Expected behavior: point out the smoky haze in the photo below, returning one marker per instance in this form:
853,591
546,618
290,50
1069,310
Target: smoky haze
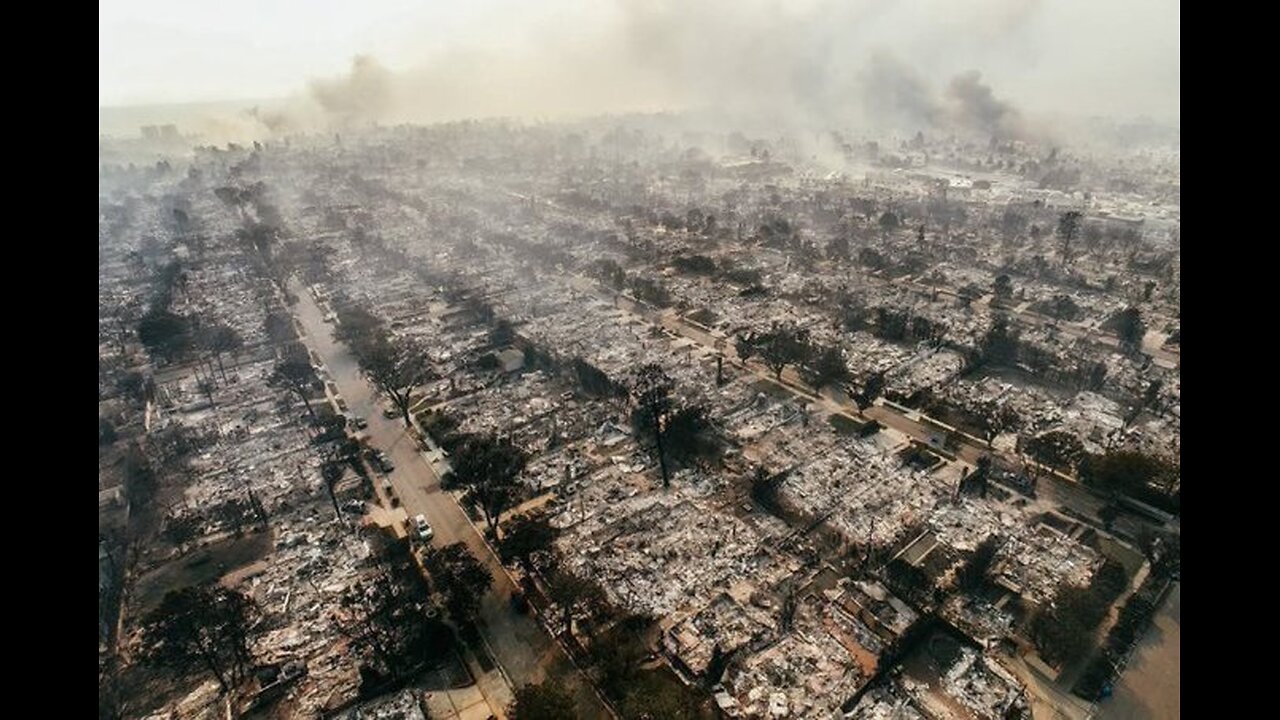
988,67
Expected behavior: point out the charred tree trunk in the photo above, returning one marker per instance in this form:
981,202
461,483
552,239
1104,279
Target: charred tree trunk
662,455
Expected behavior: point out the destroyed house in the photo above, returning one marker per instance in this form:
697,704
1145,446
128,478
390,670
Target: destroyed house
881,611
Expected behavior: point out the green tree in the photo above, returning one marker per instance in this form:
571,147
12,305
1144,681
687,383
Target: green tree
111,694
689,435
572,592
206,625
1058,449
489,469
1000,344
547,700
165,334
1129,472
357,326
619,652
384,615
872,388
782,347
396,368
651,697
1068,230
826,366
527,535
1063,631
460,578
1003,287
970,576
294,373
1129,328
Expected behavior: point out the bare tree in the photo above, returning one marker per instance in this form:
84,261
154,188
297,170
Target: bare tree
221,339
651,393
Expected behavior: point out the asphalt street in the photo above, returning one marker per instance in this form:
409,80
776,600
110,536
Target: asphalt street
520,645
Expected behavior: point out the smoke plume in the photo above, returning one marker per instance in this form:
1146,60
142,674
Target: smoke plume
982,68
363,95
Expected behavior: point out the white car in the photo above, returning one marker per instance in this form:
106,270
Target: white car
425,533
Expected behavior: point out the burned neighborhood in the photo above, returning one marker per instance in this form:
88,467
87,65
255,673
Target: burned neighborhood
652,414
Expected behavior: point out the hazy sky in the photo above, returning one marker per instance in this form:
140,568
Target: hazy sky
187,50
1088,56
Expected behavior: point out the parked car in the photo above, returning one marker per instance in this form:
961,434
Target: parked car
423,528
357,422
379,460
390,492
